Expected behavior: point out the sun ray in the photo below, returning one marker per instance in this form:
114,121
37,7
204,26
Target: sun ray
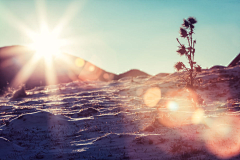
14,21
26,71
50,73
41,12
47,43
73,8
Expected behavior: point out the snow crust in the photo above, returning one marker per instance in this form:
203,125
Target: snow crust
125,119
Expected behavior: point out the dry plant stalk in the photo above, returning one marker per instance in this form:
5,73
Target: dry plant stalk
186,31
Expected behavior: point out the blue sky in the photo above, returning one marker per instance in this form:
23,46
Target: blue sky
136,34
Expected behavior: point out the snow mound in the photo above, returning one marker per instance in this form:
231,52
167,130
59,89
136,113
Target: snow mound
7,147
21,93
85,113
38,120
5,108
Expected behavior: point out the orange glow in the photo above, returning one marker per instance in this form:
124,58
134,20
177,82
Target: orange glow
152,97
222,139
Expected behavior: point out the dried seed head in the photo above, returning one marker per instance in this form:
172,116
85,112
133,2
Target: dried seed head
191,26
192,20
185,23
183,32
179,66
198,68
182,50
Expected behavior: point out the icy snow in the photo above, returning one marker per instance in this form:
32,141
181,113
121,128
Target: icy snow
117,120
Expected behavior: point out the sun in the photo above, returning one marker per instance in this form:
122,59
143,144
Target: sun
46,44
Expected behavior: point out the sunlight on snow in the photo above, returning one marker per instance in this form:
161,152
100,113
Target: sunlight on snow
152,96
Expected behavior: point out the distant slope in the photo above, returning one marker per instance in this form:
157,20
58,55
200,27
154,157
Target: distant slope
217,67
18,65
131,73
86,70
159,76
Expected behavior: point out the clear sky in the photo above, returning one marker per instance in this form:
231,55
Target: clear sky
119,35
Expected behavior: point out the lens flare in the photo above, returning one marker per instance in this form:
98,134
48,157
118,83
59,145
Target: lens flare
108,76
79,62
173,106
152,96
197,117
139,91
90,72
179,112
222,139
91,68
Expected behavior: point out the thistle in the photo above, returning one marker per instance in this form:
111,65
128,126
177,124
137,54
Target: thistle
186,32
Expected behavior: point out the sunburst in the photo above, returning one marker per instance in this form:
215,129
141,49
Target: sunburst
46,44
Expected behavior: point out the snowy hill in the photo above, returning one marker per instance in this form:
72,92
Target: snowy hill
31,70
131,73
67,68
144,118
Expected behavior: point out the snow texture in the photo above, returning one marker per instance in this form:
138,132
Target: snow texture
133,118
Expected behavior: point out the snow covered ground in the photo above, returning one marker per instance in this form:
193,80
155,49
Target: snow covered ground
140,118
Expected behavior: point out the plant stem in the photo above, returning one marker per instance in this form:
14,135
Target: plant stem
191,60
179,42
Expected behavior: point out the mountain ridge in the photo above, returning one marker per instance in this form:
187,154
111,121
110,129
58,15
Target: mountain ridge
131,73
16,63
